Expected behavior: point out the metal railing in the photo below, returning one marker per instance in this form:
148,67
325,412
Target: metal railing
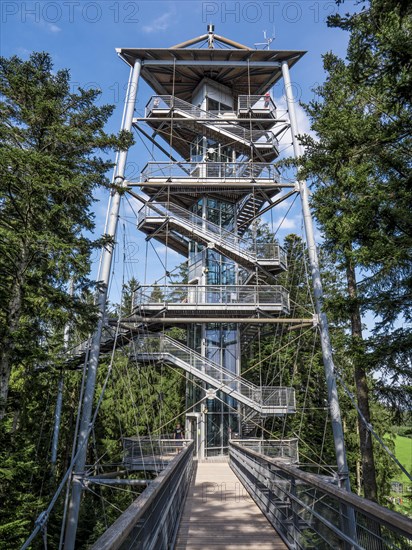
281,449
168,102
265,138
310,511
256,103
215,234
152,520
266,296
266,399
232,171
151,453
201,170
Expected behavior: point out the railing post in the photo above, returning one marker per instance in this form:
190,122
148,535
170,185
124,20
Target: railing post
295,518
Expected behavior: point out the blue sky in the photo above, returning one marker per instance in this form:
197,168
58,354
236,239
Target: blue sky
82,36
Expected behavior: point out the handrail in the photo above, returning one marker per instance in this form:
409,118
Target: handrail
256,102
214,231
278,449
219,123
263,296
204,360
264,396
207,169
155,513
284,500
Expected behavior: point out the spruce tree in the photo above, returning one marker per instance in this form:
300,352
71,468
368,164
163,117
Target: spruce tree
362,194
52,141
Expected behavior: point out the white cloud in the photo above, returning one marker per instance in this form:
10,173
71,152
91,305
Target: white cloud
302,120
53,28
161,23
287,223
285,205
23,51
45,25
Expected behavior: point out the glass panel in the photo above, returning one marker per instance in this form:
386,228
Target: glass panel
221,213
214,430
196,149
221,270
217,106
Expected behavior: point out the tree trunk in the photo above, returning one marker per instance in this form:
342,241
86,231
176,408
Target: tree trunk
8,343
362,391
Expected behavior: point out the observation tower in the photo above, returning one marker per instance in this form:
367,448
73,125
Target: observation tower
212,119
212,115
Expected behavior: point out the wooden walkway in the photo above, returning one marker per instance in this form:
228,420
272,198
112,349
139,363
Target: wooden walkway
220,514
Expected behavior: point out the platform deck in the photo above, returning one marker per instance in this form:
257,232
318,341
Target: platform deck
219,513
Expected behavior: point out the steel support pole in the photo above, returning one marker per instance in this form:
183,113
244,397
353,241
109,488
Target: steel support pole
57,418
103,279
318,294
59,399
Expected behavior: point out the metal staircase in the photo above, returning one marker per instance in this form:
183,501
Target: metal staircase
265,400
160,221
224,127
247,210
201,206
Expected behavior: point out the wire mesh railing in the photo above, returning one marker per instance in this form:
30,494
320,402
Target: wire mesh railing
161,103
152,520
196,171
281,449
311,511
256,103
274,297
144,452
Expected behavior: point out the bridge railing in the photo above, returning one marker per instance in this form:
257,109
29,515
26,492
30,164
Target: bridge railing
151,453
308,510
281,449
152,520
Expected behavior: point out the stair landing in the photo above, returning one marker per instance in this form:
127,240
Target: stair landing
219,513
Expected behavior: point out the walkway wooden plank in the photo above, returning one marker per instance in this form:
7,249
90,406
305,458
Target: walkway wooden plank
219,513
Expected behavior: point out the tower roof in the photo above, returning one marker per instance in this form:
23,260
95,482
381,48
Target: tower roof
179,69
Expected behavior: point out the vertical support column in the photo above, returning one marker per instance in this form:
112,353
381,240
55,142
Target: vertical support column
59,399
103,278
347,513
318,293
202,431
57,417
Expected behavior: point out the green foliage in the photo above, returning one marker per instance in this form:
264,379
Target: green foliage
403,450
281,357
50,165
52,158
362,195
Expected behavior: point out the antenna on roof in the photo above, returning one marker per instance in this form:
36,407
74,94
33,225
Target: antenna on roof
268,40
211,35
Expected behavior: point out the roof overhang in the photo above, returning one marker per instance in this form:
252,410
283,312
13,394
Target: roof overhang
178,71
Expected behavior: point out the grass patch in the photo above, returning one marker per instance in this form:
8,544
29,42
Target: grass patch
402,502
403,452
